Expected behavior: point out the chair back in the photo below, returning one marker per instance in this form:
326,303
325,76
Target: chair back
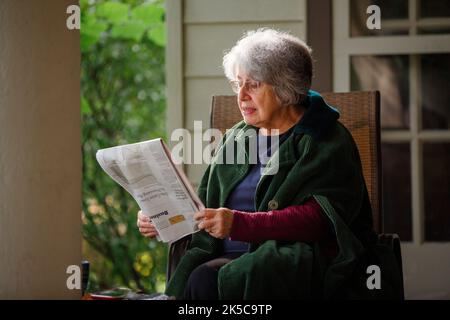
360,114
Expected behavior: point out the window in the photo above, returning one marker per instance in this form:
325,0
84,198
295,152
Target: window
408,61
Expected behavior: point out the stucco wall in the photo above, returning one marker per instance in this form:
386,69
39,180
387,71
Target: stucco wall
40,154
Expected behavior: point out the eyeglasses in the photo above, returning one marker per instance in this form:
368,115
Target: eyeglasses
251,86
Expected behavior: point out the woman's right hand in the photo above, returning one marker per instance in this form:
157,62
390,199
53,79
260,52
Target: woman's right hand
146,227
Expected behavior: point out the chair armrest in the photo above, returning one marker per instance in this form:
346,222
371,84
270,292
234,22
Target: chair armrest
392,240
177,250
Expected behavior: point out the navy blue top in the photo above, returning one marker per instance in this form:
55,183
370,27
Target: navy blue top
242,198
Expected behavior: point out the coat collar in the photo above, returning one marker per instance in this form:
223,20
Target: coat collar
319,117
317,120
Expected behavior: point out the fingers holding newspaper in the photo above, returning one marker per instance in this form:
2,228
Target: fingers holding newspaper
146,227
217,222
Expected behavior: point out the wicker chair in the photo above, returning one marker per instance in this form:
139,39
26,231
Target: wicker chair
360,113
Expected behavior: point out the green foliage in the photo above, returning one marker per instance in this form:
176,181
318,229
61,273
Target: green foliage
122,101
114,12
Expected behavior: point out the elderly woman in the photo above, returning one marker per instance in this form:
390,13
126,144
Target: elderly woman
295,232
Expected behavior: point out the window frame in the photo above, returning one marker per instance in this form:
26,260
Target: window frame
412,45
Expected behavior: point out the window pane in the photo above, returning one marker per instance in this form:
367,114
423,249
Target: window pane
389,75
434,30
397,189
436,178
390,9
434,8
435,91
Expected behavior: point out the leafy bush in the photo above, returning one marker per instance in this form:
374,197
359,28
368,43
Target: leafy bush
123,101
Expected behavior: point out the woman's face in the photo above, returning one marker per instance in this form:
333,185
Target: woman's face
259,105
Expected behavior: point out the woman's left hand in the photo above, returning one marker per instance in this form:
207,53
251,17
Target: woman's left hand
217,222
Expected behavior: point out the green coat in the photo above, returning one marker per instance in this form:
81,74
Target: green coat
319,159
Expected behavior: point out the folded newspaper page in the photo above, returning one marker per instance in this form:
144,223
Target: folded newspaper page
162,191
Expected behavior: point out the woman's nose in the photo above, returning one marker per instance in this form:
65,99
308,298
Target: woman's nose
243,94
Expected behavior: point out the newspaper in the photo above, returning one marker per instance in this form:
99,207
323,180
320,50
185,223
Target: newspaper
162,191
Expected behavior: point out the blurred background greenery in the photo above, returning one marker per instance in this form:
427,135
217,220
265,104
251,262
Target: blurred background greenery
122,101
